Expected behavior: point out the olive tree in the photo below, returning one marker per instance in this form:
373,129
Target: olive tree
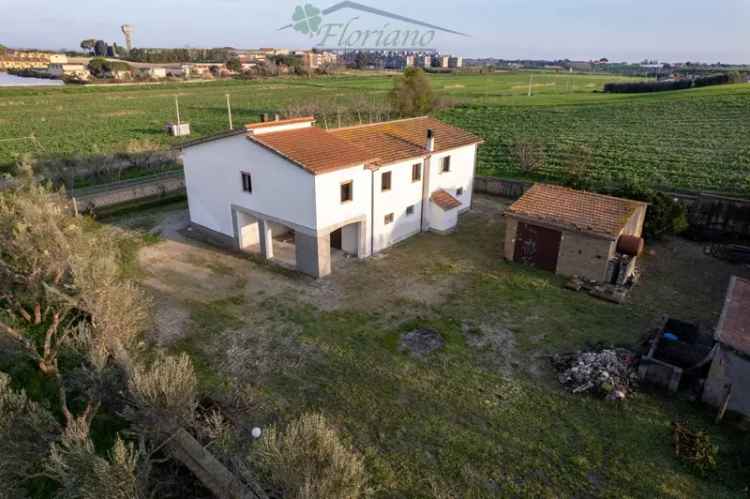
60,286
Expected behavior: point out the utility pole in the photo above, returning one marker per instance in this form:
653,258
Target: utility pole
177,107
229,112
531,80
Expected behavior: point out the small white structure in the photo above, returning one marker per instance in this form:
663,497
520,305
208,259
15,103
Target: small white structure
61,70
299,194
152,72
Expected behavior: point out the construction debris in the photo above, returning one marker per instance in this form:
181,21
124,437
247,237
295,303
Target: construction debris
608,373
695,448
614,293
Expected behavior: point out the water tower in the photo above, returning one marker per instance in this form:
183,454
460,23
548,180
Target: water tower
127,30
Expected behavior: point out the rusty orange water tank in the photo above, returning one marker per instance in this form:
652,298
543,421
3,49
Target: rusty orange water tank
630,245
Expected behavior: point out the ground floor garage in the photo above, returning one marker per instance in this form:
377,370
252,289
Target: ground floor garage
299,248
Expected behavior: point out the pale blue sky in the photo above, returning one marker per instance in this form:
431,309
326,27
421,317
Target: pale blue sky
668,30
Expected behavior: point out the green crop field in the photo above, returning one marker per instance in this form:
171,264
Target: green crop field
690,139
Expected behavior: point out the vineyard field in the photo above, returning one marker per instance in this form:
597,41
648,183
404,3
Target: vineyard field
695,139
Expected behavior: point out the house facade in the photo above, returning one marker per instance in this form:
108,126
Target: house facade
296,193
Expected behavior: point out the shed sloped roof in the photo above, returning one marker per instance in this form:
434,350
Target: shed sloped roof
399,140
734,326
445,200
314,149
575,210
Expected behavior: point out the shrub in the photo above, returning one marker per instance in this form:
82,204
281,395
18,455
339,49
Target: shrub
308,460
82,474
26,431
164,395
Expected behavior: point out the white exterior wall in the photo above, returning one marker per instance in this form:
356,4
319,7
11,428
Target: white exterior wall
461,174
443,221
403,193
281,128
213,182
285,191
330,211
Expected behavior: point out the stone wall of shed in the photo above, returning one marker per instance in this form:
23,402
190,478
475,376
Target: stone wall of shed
511,225
584,256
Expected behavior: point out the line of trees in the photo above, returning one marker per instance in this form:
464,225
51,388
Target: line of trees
156,55
681,84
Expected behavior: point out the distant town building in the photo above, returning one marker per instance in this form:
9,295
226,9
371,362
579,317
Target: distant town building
424,61
455,62
312,60
27,59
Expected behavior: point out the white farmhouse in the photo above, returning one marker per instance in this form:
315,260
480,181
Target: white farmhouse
301,195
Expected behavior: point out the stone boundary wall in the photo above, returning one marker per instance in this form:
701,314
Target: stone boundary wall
109,195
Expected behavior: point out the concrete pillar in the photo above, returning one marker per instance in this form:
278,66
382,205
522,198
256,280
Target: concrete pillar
363,248
266,239
313,254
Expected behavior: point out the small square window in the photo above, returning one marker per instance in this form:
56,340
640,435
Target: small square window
410,210
347,191
446,166
460,191
385,182
247,182
388,219
416,172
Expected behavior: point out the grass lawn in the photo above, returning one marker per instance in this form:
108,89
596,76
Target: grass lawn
691,139
482,417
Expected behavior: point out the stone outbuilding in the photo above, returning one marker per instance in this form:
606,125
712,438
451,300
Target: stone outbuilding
579,233
728,384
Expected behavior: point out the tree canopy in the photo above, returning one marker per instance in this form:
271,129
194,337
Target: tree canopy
412,93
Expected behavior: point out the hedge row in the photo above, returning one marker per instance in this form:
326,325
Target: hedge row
661,86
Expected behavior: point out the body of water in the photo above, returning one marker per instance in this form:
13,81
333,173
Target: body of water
8,80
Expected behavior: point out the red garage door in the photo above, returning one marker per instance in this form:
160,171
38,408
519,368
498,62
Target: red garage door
537,246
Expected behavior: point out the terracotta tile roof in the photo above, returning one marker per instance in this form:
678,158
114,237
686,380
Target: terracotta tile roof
400,140
289,121
734,326
445,200
314,149
575,210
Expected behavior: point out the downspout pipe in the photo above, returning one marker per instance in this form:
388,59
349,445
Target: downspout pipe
430,147
372,212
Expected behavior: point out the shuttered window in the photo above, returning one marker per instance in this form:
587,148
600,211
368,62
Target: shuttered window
385,182
247,182
347,191
416,172
446,164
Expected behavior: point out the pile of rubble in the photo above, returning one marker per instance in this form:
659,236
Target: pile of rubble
608,373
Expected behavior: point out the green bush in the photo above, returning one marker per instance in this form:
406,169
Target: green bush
664,216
